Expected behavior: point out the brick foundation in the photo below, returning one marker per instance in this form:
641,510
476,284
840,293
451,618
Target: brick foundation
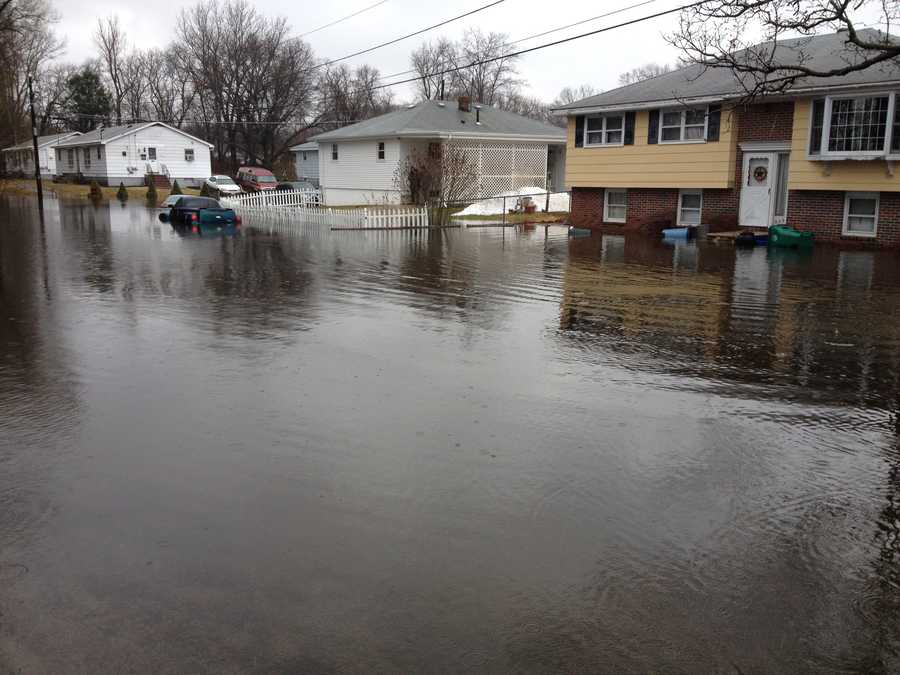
822,212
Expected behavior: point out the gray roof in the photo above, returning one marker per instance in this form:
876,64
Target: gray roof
697,81
311,146
42,141
439,119
107,134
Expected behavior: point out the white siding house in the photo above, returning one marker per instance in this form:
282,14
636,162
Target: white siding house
134,154
359,163
20,158
306,162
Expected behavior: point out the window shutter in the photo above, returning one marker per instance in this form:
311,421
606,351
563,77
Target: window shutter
713,122
818,121
653,127
579,131
629,128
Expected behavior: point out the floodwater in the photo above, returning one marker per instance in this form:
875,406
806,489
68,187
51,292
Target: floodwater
473,450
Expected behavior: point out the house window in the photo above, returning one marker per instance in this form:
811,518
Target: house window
99,150
690,205
380,151
87,157
188,154
614,206
861,214
151,154
334,152
604,130
71,157
683,126
303,156
854,126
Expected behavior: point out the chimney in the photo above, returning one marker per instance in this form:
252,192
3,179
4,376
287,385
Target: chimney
464,103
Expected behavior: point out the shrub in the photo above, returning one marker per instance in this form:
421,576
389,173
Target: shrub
204,190
95,192
122,193
151,193
176,189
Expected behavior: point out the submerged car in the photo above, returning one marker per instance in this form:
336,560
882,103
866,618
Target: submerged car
256,179
199,211
223,185
169,201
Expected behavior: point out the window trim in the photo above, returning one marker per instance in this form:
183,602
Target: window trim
192,157
683,111
690,191
845,231
334,152
380,151
824,154
603,131
606,193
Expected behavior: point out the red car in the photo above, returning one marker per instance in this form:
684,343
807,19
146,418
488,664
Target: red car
255,179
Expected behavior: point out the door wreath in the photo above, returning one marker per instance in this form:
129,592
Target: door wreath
760,173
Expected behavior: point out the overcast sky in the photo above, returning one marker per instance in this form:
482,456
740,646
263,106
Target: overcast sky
596,60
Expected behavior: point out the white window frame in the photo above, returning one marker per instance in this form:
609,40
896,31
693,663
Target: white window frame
192,155
334,152
825,155
690,191
860,195
603,131
606,194
683,112
380,151
155,154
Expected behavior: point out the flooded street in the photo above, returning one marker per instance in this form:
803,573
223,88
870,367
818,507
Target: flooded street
472,450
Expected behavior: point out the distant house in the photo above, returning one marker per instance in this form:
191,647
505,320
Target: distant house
306,162
684,148
358,163
135,154
20,158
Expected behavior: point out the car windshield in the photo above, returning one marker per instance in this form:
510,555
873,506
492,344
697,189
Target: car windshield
265,179
224,180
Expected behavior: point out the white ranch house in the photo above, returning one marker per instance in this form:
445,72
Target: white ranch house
358,163
20,158
135,154
306,162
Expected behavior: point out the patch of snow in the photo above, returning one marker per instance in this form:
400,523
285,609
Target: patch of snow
559,201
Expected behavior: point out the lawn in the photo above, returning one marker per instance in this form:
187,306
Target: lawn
21,186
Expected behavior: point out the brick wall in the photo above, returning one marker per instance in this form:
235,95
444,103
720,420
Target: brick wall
822,212
586,208
766,122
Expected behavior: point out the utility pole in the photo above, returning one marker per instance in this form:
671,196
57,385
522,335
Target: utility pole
34,142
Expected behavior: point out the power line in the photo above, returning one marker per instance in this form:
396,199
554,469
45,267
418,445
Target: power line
548,32
631,22
349,16
405,37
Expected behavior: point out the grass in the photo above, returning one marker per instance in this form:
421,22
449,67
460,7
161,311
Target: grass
21,186
519,218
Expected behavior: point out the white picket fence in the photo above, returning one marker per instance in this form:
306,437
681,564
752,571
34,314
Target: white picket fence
301,208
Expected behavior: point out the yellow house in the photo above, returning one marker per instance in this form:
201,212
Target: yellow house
686,148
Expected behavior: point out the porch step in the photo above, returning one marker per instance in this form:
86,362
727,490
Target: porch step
158,179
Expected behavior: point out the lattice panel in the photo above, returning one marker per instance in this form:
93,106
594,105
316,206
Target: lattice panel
504,167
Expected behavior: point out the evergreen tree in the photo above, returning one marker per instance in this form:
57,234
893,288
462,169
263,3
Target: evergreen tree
151,193
96,193
89,102
122,194
176,189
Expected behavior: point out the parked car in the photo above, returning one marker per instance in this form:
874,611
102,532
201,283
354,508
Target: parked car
199,211
222,185
255,179
170,201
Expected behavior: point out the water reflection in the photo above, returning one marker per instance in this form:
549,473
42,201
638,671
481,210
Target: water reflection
287,449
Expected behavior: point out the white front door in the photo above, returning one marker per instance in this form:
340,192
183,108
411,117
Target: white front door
757,181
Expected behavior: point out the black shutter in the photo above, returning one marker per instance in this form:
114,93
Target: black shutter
713,122
579,131
629,127
653,127
818,122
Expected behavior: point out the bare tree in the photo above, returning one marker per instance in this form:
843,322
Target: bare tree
725,34
135,71
429,61
52,95
350,95
438,178
112,44
485,82
644,72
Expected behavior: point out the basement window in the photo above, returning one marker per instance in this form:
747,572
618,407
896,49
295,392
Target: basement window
615,204
603,130
690,206
861,214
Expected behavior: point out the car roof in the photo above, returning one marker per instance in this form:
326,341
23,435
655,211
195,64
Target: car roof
255,171
220,175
